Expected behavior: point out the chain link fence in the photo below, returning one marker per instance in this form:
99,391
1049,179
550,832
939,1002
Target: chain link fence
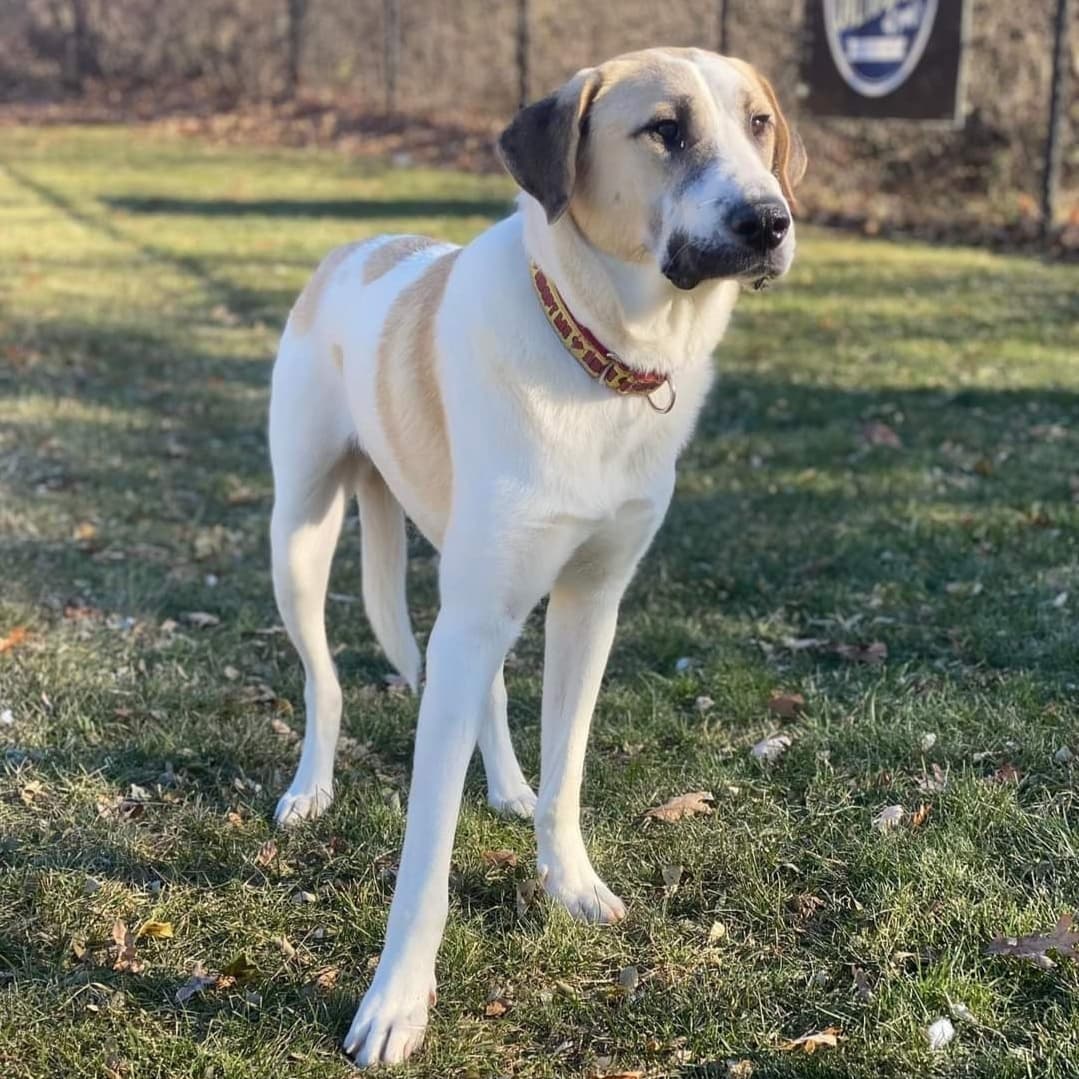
469,60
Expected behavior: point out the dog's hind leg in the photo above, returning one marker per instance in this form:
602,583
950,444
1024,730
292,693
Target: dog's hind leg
507,789
314,470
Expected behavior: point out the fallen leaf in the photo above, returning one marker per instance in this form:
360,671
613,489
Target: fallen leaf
31,791
301,898
939,1033
920,815
889,817
230,672
683,805
929,740
267,853
874,653
672,877
787,705
326,979
500,859
810,1043
13,639
202,619
84,532
933,783
136,793
155,930
876,433
961,1012
527,894
283,730
1063,939
127,961
716,932
197,983
496,1008
703,704
770,749
240,968
1006,773
862,987
628,980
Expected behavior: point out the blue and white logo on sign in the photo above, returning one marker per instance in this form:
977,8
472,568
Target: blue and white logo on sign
876,44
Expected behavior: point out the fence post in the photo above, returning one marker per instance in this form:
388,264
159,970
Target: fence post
722,7
523,24
1051,173
391,49
297,9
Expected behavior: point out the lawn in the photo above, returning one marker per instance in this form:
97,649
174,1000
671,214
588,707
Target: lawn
879,513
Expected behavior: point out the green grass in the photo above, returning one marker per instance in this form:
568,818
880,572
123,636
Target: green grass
142,285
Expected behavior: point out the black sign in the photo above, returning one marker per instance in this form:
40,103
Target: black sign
885,58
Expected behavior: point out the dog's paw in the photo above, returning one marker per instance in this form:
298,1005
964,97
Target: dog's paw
518,803
298,804
577,888
390,1023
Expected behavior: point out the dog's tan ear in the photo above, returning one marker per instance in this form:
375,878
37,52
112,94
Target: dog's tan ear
539,148
789,158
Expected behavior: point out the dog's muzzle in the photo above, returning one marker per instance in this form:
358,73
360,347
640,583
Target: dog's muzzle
748,246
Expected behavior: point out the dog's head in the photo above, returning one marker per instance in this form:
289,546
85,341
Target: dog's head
680,156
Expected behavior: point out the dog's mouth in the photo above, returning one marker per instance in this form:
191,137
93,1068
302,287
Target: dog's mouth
689,264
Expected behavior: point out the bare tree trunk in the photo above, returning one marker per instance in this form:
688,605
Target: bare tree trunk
297,11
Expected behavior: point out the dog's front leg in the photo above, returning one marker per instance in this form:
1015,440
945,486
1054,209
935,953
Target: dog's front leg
463,656
579,631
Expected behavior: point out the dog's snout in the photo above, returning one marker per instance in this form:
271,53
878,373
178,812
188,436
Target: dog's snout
762,225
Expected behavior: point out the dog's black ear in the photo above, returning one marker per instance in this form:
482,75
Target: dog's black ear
540,146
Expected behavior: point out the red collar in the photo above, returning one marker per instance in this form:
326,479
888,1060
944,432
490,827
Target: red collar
600,362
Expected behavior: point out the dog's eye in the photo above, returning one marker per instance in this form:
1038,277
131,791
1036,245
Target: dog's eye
759,124
670,133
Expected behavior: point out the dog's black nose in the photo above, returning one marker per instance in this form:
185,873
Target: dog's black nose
760,224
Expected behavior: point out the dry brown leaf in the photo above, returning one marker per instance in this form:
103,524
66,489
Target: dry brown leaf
935,783
874,653
810,1043
771,749
197,983
528,893
1006,773
326,979
920,815
496,1008
787,705
126,960
683,805
1063,939
876,433
31,791
201,619
155,930
14,638
500,859
267,853
672,877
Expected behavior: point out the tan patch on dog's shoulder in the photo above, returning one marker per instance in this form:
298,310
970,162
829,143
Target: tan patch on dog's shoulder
387,255
408,397
306,307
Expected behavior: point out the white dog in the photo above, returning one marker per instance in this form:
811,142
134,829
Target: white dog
523,400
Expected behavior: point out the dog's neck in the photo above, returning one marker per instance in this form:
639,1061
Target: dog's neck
630,306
